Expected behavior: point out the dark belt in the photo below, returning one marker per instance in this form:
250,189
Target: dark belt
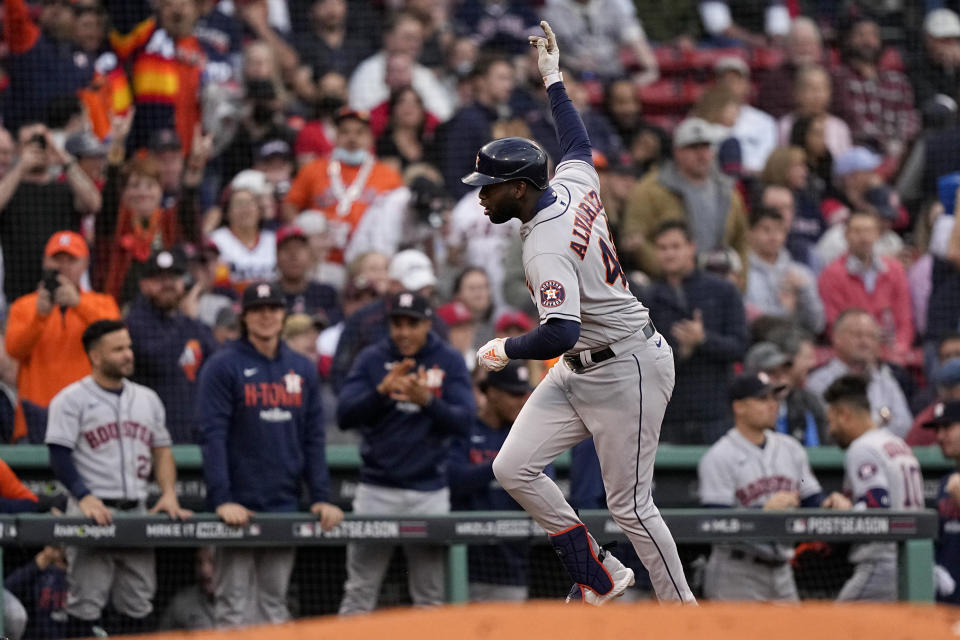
121,505
737,554
600,355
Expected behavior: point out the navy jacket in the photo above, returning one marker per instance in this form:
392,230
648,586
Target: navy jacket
948,543
318,298
468,130
262,429
168,352
474,488
704,378
406,446
44,595
365,326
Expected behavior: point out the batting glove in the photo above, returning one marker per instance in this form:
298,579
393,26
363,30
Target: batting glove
493,356
549,54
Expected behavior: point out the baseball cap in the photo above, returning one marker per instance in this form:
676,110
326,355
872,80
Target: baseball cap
454,313
66,242
166,261
273,148
517,319
412,269
752,385
948,373
409,304
857,159
513,378
765,356
311,222
164,140
346,113
297,324
942,23
693,131
731,63
944,414
261,294
250,180
84,144
880,198
227,318
289,231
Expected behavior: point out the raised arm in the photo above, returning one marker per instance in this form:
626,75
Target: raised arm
572,134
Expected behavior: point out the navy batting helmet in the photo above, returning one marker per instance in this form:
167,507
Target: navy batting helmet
509,159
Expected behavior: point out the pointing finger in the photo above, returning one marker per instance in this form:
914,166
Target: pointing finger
551,37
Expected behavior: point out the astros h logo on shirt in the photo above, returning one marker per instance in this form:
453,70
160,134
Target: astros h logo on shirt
552,294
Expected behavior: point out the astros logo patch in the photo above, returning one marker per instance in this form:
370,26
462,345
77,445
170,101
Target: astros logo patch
552,294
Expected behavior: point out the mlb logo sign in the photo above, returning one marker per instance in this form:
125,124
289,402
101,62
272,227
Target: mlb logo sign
303,530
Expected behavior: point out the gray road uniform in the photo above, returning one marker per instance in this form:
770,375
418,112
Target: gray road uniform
112,436
880,472
737,473
614,385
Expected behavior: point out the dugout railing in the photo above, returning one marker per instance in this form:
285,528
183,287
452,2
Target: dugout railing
674,480
914,531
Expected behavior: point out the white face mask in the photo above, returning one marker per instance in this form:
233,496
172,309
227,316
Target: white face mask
352,158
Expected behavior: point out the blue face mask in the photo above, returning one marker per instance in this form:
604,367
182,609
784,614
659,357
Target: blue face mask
352,158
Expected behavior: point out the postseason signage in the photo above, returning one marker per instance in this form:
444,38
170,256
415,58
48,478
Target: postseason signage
703,526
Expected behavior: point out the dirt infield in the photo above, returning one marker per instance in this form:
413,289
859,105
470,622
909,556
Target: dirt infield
556,621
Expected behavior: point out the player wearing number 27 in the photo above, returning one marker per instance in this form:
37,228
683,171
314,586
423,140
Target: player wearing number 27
880,472
617,371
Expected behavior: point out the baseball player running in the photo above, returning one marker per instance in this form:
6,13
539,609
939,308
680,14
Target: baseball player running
106,435
880,472
753,466
617,373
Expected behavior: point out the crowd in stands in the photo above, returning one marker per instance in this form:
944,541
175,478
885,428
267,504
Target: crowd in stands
781,181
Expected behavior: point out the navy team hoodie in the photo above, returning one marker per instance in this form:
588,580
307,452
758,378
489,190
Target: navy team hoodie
262,429
405,446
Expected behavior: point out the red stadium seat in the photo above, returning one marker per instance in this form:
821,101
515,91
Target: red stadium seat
704,59
766,58
671,61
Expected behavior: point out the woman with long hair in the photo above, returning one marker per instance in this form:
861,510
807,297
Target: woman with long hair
408,136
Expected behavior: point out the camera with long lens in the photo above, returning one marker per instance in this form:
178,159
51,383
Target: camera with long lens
428,201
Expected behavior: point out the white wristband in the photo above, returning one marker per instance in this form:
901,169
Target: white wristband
549,79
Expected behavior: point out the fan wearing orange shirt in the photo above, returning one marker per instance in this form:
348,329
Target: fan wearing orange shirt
343,185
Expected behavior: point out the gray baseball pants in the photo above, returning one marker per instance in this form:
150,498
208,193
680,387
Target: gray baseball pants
871,581
729,578
486,592
620,402
367,563
250,585
95,575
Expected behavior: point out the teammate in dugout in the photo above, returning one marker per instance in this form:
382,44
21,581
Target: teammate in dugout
262,437
106,435
497,571
617,371
946,425
408,394
754,466
880,472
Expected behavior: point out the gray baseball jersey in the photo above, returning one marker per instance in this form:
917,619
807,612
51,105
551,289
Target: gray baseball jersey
572,272
571,264
737,473
111,435
880,471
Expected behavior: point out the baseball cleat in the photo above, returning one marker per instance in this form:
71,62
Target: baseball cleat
621,575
